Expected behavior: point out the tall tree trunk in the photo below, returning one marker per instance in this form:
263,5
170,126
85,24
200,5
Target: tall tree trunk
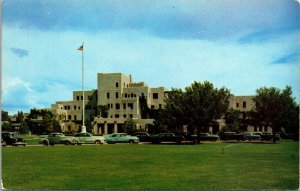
198,134
274,133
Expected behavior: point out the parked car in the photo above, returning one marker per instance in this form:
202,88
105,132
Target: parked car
250,136
58,138
143,136
88,138
167,137
269,136
121,138
12,138
208,137
231,136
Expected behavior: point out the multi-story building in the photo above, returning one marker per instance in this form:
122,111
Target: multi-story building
121,96
69,113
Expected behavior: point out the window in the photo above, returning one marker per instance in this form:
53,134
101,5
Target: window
117,95
117,84
75,118
124,116
74,107
131,94
69,107
125,95
131,116
77,98
237,104
69,117
111,106
117,106
155,95
244,104
130,105
107,95
81,97
108,106
124,105
66,107
152,107
117,116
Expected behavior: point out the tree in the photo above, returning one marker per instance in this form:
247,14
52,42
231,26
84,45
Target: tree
176,109
102,111
145,111
129,126
198,107
233,119
205,104
273,107
24,128
4,116
42,121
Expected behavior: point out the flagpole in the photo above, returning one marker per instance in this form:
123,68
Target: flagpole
83,129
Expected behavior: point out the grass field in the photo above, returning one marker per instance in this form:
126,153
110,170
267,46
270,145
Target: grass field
208,166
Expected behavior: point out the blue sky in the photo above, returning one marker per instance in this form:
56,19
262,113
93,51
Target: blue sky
239,44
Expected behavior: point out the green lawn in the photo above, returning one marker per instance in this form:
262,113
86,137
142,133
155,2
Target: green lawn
208,166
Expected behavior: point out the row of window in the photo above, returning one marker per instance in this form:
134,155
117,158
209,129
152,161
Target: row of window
129,95
118,106
116,116
124,116
67,107
81,97
244,104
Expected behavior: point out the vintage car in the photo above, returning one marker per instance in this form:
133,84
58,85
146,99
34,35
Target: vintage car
58,138
208,137
167,137
143,136
250,136
266,136
121,138
231,136
12,138
88,138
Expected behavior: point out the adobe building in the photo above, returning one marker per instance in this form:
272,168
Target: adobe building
121,95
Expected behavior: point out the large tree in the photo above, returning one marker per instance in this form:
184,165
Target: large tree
205,104
175,113
233,119
273,107
198,106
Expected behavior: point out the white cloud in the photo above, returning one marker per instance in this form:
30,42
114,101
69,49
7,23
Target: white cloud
52,69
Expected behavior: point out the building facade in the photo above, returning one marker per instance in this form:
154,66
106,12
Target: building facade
121,96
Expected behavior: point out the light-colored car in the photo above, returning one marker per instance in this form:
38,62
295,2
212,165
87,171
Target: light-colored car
58,138
88,138
121,138
250,136
209,137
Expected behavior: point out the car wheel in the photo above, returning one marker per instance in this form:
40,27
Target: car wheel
67,142
45,142
97,142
